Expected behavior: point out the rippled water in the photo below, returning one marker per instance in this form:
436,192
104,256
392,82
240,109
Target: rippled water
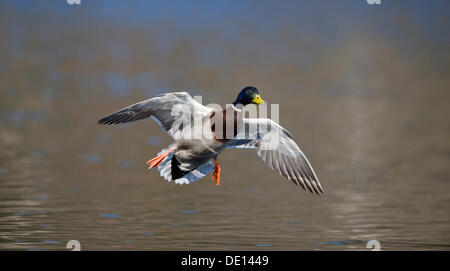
77,183
373,124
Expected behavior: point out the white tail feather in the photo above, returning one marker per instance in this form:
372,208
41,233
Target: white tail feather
165,170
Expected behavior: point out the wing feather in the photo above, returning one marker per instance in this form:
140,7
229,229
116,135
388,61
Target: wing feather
160,108
279,151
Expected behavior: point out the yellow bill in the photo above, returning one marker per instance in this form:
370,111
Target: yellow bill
257,99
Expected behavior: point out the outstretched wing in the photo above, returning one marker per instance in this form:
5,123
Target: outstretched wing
167,109
278,150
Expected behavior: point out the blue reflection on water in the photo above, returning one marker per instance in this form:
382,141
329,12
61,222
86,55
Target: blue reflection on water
29,213
51,242
154,141
41,197
102,138
117,84
145,80
36,153
126,164
92,158
20,116
339,243
110,215
188,211
263,245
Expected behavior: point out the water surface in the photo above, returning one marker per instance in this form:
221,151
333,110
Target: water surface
370,112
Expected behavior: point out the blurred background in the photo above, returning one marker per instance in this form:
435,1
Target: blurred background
363,88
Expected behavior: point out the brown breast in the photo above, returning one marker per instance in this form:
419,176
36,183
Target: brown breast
232,119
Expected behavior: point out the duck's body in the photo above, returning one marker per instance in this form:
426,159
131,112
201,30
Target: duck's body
198,140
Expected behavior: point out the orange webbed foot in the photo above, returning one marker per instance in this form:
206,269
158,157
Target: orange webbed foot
156,161
216,173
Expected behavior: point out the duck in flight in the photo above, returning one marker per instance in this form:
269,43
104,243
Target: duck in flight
191,158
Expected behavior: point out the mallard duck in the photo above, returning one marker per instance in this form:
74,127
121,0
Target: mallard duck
190,159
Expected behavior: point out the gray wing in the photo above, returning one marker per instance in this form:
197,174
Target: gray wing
278,150
170,110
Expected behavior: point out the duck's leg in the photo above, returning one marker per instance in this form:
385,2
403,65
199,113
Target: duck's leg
154,162
216,173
